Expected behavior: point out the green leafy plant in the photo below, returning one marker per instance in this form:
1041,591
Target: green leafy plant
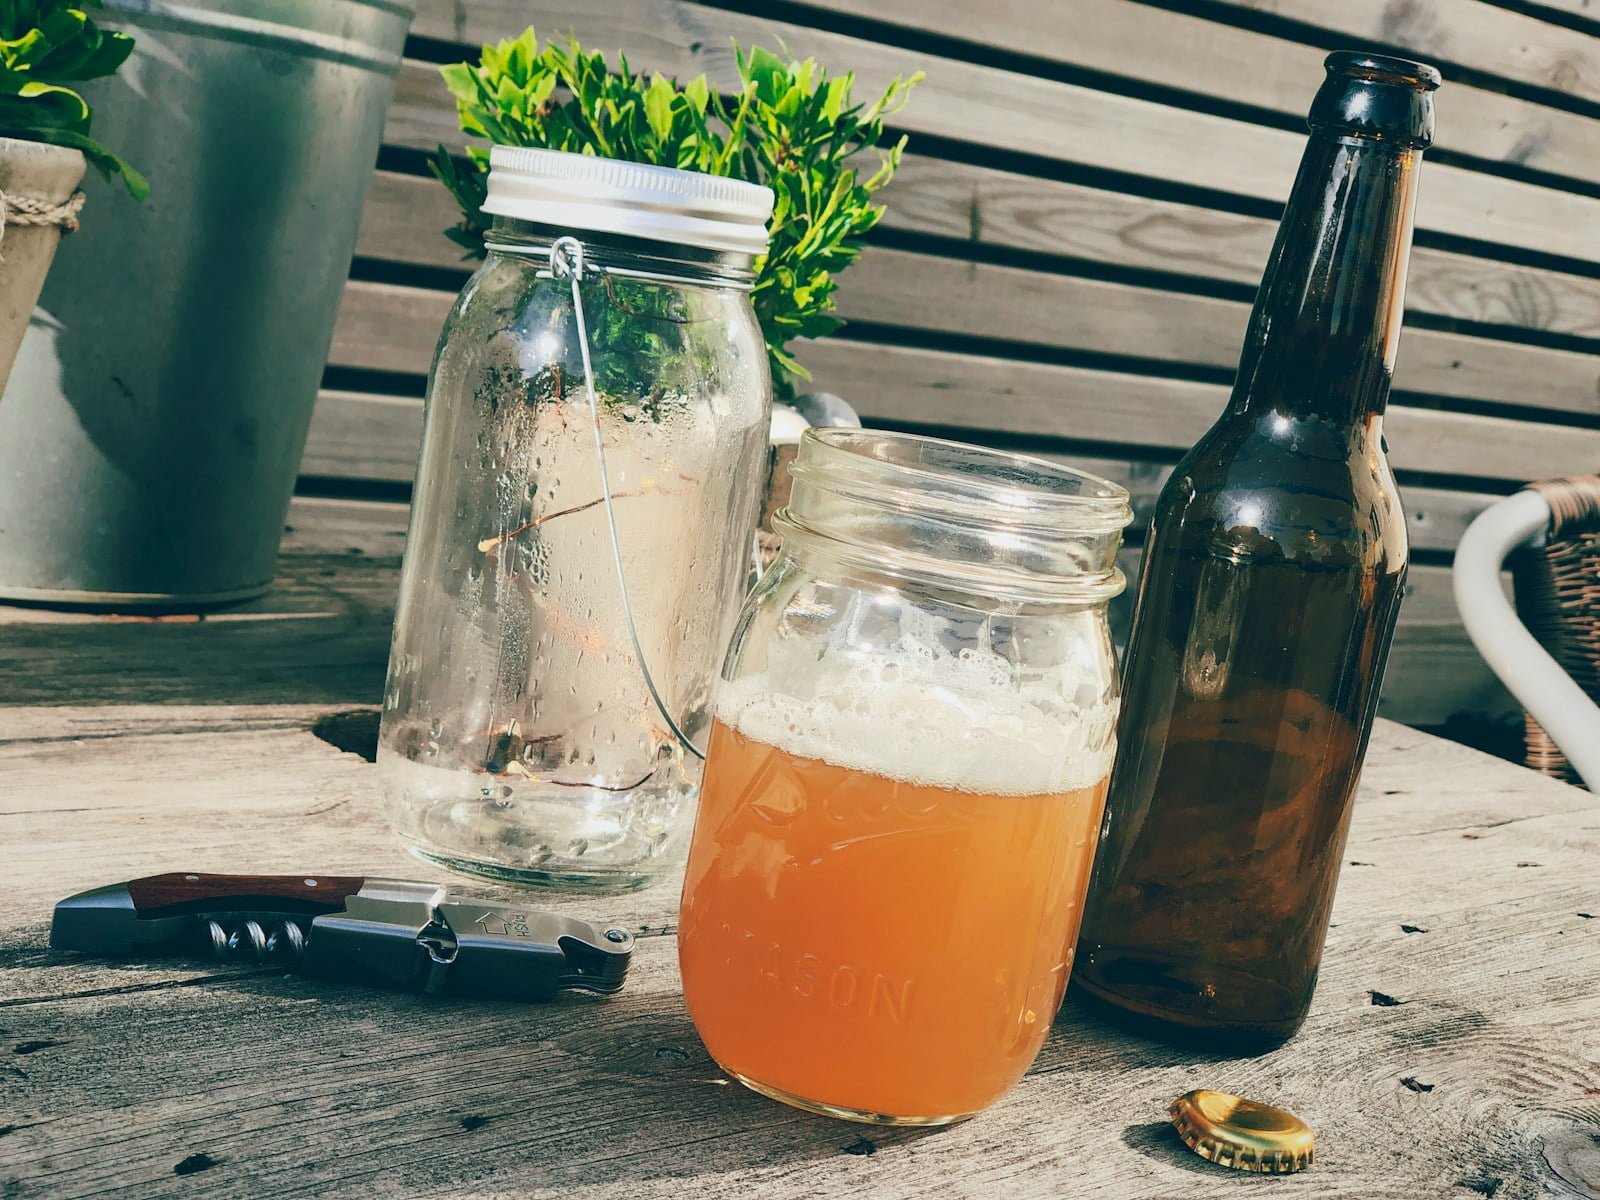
44,46
788,126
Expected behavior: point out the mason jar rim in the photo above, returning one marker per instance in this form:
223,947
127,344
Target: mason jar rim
1005,522
1049,488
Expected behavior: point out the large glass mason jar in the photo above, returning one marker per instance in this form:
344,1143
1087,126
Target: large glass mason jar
575,561
905,779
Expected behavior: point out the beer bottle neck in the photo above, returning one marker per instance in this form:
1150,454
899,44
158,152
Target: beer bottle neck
1326,323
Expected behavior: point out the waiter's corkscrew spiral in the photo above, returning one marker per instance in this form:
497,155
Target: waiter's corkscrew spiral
251,942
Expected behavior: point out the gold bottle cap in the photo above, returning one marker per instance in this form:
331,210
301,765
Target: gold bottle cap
1240,1133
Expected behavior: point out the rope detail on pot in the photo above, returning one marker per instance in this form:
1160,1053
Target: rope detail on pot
30,210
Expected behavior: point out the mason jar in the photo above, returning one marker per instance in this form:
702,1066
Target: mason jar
575,561
906,777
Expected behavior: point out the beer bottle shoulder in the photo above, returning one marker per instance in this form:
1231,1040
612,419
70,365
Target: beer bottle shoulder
1279,487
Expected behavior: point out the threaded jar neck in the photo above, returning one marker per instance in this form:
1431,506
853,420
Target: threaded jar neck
1001,524
640,258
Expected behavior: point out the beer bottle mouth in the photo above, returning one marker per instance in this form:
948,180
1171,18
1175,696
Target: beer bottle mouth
1376,96
1383,68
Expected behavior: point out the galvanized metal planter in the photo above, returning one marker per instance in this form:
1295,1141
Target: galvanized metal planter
154,420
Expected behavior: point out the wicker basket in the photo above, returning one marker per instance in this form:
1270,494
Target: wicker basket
1557,588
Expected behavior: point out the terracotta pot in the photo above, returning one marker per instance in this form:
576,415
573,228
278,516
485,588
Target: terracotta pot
39,172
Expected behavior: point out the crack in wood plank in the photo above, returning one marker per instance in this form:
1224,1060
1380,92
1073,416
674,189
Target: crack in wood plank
134,988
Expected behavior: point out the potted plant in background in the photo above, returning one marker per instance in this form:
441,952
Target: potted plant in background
788,126
45,143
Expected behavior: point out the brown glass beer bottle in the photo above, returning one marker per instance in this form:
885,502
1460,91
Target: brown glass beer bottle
1271,581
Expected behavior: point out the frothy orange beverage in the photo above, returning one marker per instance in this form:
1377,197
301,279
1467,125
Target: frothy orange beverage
863,936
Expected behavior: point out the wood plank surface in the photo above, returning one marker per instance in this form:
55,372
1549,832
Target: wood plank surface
895,383
362,435
1238,66
1487,38
982,207
359,435
1577,8
322,635
968,103
1461,901
1037,308
390,327
1018,397
1434,675
1022,212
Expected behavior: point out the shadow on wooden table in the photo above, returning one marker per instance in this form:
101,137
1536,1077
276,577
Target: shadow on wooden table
412,1094
1158,1140
321,636
1085,1040
403,1092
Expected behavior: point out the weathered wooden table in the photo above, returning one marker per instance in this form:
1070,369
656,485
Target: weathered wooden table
1453,1051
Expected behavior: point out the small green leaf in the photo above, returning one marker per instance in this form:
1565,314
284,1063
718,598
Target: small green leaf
698,93
834,97
658,99
23,51
462,80
767,72
787,125
63,105
108,53
63,25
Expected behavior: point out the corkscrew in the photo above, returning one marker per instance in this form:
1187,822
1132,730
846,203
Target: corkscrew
250,940
390,932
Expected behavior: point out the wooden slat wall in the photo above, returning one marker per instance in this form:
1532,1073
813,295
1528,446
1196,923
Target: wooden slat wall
1074,238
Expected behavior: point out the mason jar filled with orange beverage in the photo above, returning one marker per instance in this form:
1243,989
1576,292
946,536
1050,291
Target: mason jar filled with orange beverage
905,779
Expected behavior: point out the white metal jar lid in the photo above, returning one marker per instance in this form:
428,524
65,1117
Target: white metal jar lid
576,191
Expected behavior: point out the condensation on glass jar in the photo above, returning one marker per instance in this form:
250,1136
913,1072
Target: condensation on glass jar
522,736
906,779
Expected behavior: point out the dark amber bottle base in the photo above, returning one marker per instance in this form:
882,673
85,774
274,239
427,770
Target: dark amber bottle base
1162,999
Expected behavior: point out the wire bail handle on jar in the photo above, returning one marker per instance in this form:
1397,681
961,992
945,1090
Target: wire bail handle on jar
568,261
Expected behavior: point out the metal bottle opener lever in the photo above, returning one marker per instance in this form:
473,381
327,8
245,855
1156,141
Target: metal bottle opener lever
388,932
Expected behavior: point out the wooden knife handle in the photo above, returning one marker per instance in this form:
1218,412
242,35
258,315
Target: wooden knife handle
179,892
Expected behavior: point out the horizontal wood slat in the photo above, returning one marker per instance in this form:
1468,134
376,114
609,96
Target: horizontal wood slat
379,530
326,525
1588,9
404,221
972,103
1433,671
972,392
394,328
923,292
361,435
1435,676
1435,517
978,392
406,214
1493,40
388,327
1239,66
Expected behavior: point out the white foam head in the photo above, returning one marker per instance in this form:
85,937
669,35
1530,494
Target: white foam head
922,715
